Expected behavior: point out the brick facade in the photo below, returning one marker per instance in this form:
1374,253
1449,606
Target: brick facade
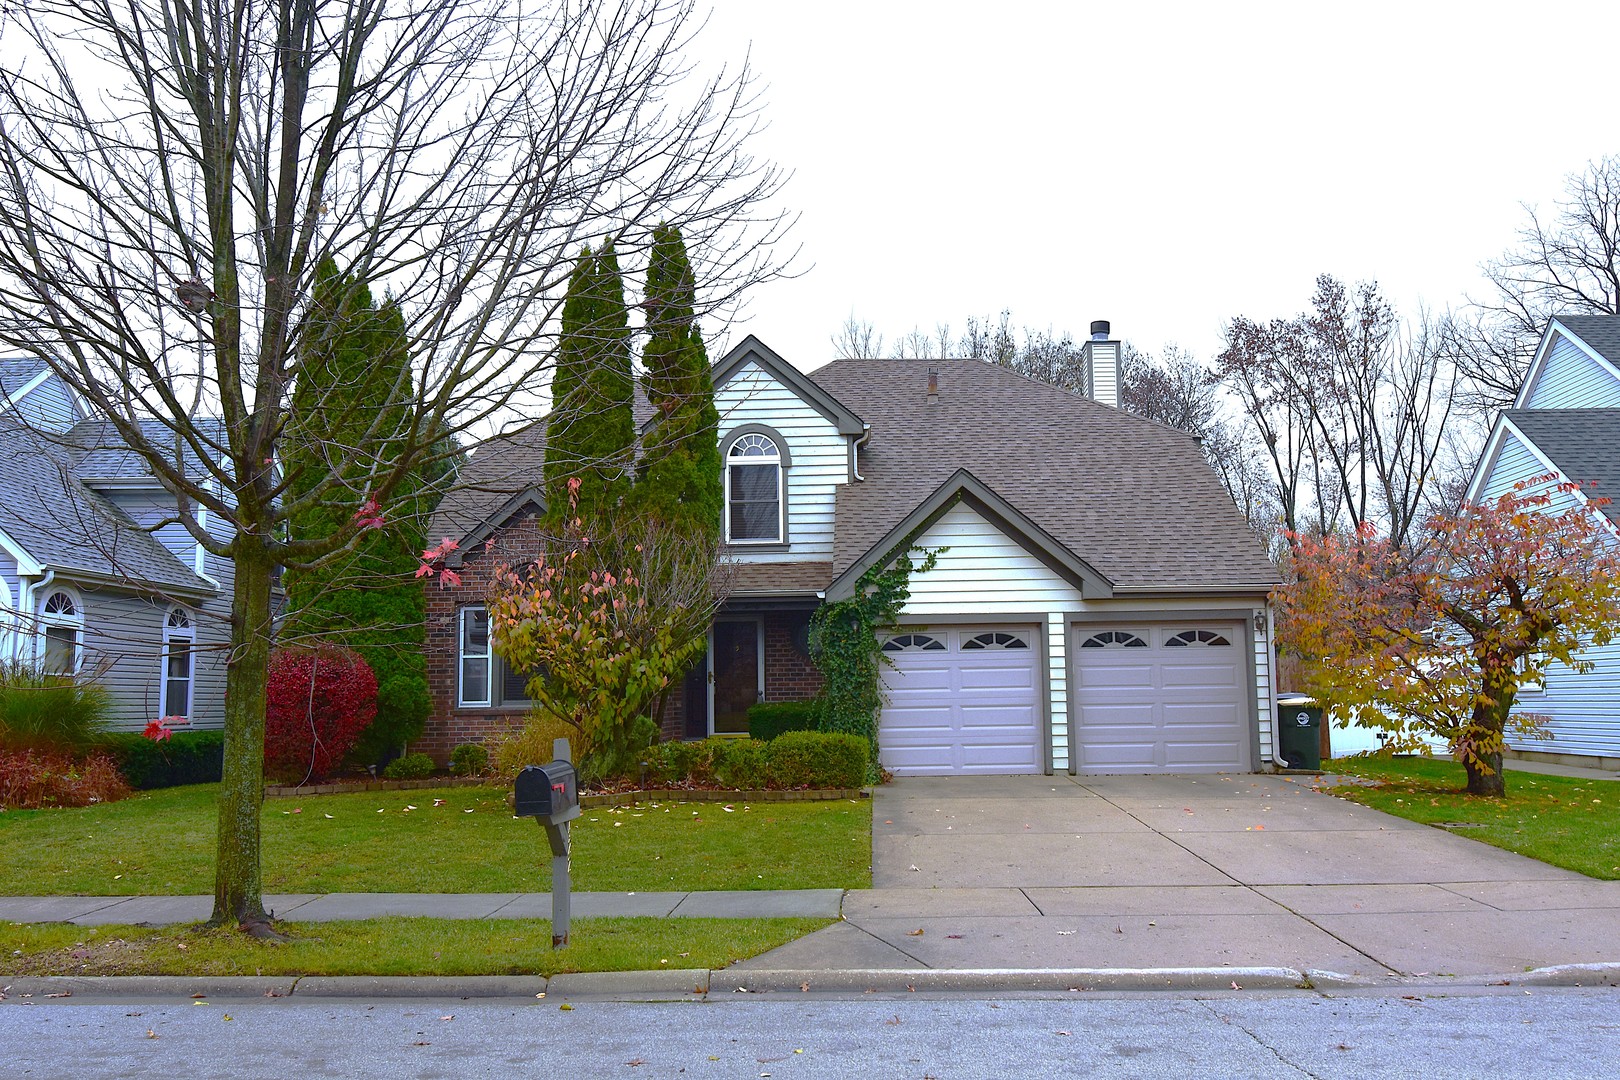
789,674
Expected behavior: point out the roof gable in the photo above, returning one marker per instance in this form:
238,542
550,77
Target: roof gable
1596,338
1580,445
752,350
963,487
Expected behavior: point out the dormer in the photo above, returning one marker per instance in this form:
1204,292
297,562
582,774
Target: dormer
786,446
37,396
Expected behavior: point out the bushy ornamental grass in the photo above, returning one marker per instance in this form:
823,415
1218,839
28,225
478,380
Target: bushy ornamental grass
55,712
320,700
34,779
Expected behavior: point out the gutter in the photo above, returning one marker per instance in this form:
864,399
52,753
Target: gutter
27,599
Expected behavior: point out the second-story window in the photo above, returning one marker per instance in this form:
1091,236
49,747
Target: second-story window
754,491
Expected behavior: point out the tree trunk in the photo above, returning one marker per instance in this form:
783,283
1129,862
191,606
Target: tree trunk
1485,783
238,883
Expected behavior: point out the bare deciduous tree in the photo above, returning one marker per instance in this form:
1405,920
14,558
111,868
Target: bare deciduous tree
172,172
1563,263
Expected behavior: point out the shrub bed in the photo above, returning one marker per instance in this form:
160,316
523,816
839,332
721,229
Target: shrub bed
794,759
186,757
32,779
320,700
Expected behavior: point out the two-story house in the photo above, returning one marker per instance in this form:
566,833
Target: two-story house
1099,604
1566,421
96,578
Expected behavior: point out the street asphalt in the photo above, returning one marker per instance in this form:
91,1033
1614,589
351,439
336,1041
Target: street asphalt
1051,883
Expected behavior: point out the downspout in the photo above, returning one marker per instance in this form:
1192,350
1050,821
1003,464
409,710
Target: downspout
27,598
855,467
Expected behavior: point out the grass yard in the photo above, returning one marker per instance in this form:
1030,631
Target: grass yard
1566,821
162,843
394,947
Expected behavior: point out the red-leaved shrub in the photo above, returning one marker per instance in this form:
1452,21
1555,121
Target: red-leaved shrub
31,779
320,702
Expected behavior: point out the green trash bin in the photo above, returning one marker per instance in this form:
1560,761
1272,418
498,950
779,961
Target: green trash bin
1299,721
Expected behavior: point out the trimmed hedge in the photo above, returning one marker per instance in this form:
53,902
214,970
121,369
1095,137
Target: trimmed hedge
187,757
768,719
794,759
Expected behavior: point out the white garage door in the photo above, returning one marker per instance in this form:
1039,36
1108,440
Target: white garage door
962,701
1161,699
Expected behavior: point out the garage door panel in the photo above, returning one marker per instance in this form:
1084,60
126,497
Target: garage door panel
1158,707
959,710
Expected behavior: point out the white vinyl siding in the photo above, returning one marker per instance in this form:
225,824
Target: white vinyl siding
1571,379
984,570
48,407
123,650
819,458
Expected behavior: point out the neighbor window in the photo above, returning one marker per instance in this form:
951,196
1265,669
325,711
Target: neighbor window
486,679
62,619
179,641
754,490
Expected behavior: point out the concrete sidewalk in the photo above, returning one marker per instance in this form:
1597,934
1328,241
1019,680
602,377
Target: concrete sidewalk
331,907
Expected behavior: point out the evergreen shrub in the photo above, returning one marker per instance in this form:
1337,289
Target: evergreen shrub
186,757
410,767
768,719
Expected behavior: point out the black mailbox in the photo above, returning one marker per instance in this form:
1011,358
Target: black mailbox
549,791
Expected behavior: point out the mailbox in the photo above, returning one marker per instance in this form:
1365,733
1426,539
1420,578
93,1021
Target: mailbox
549,792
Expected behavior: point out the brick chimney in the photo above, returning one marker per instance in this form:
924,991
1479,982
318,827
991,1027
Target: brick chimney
1101,365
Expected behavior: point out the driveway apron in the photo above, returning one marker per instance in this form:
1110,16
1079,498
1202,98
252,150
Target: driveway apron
1194,871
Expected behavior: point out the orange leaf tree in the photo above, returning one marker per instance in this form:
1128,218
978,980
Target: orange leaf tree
608,617
1437,644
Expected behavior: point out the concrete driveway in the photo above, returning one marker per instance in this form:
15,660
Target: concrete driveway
1195,871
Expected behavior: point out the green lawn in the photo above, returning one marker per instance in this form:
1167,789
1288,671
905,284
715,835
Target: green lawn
394,947
162,842
1565,821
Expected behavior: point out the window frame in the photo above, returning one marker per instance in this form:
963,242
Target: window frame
495,667
55,620
171,634
781,461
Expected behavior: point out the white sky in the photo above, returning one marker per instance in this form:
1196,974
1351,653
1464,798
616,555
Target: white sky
1163,166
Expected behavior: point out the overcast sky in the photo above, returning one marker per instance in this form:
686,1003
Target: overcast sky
1163,166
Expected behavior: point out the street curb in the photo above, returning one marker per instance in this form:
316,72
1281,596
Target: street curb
118,986
419,986
678,982
1570,975
896,980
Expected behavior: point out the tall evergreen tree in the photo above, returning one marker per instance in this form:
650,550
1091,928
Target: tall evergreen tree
591,432
349,405
679,475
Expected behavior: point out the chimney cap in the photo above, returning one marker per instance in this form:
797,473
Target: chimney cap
1099,330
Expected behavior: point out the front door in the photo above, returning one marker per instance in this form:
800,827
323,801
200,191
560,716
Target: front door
735,674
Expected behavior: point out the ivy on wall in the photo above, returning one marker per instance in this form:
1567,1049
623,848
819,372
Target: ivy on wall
844,644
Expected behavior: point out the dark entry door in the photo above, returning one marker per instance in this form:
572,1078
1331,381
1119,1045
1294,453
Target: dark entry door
736,674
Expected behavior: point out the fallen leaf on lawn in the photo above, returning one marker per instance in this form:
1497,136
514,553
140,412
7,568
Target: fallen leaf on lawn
298,809
727,808
181,945
409,807
467,811
618,824
328,817
379,811
438,802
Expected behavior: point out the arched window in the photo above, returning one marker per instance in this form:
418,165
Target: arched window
61,620
179,649
1197,637
754,503
996,640
913,643
1122,639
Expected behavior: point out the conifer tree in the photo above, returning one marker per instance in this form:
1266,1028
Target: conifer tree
591,432
348,405
679,475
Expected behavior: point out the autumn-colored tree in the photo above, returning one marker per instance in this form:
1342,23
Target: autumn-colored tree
609,614
1438,644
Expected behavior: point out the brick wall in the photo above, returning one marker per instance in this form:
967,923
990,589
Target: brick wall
449,726
789,674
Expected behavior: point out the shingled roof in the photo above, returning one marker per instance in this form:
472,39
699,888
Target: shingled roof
67,526
1131,498
1584,445
1601,332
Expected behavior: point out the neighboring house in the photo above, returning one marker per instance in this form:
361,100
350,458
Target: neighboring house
1566,420
1099,604
90,583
